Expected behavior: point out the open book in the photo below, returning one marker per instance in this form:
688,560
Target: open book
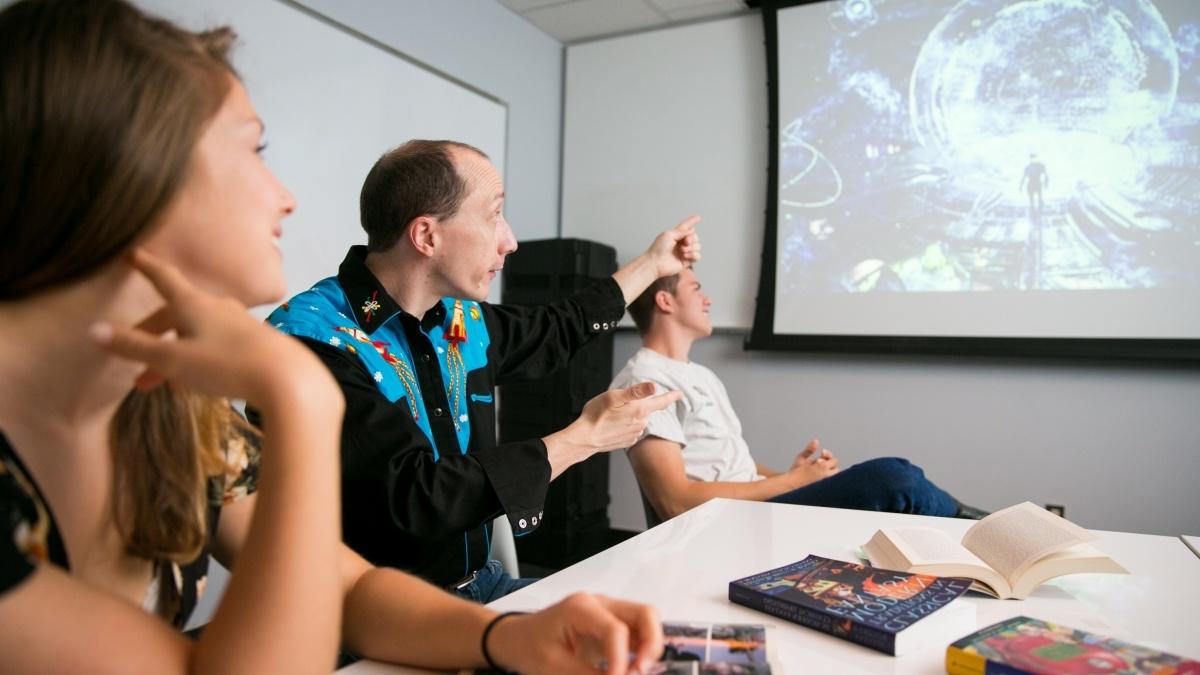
1007,554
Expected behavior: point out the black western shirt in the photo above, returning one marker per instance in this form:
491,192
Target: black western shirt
422,473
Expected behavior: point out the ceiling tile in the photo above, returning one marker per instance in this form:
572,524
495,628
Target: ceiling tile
696,9
583,19
526,5
672,5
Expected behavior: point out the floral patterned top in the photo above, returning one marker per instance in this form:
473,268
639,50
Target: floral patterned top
29,536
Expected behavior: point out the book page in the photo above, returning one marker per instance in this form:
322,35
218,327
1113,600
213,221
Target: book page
925,545
1013,539
931,551
1073,560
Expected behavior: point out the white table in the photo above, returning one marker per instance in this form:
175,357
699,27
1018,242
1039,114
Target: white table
684,566
1192,543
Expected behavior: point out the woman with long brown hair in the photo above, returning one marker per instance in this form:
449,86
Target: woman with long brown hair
138,221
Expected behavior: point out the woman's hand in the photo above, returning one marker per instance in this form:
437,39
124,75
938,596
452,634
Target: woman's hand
577,635
211,344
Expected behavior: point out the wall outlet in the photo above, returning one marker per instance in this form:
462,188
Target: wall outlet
1057,509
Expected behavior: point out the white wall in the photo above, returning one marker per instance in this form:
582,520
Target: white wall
649,141
332,103
487,46
1118,444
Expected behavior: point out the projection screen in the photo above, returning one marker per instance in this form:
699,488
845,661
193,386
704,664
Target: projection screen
999,176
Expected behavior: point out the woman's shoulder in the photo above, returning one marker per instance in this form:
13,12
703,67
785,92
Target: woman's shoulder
25,523
241,451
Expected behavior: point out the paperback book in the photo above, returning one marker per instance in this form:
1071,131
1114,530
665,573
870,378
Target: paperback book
1025,646
1007,554
892,612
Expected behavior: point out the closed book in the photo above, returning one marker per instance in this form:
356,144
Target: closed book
892,612
1025,646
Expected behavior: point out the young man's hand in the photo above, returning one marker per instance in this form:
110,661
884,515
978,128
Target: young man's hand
814,463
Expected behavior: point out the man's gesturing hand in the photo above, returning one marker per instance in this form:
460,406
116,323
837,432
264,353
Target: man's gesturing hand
612,420
676,248
617,418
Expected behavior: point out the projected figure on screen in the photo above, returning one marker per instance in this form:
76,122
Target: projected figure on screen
1034,179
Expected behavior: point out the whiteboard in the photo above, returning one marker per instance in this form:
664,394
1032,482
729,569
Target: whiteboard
332,102
667,123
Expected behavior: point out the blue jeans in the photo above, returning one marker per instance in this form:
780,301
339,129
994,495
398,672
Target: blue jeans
884,484
491,583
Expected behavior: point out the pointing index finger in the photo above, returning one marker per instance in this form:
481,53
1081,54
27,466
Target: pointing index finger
685,227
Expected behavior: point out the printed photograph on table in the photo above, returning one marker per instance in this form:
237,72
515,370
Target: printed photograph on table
715,648
672,668
738,643
700,668
685,642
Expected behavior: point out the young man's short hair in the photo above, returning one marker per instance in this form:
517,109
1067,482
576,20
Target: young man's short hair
643,307
416,179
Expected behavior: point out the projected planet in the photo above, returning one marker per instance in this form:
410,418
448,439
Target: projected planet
1066,80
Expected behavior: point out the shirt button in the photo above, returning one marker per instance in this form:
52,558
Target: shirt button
438,412
605,325
595,326
424,358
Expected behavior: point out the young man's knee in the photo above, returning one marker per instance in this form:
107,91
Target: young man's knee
897,474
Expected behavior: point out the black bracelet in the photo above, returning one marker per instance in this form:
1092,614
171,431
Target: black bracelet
483,641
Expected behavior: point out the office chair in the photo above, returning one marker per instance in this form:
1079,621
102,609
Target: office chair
504,546
652,517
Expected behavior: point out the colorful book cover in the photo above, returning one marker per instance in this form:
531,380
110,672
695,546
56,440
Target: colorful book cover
1025,646
872,607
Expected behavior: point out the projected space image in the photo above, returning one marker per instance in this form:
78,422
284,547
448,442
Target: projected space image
989,145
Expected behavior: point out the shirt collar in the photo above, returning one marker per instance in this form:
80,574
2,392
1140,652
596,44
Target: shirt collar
370,301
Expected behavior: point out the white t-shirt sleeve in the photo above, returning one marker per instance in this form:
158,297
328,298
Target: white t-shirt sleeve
667,423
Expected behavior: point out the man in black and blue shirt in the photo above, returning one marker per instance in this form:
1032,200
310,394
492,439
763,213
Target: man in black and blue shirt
404,329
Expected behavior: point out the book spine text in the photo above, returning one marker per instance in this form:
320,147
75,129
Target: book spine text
805,616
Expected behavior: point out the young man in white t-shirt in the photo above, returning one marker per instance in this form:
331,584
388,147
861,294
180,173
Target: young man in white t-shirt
694,450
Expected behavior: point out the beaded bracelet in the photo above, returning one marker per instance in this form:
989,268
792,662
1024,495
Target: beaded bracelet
483,641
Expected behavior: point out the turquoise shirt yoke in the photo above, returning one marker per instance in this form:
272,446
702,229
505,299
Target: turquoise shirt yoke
323,314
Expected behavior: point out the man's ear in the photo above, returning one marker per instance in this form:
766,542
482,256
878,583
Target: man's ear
665,302
422,234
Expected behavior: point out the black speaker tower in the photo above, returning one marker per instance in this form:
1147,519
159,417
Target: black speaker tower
576,511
